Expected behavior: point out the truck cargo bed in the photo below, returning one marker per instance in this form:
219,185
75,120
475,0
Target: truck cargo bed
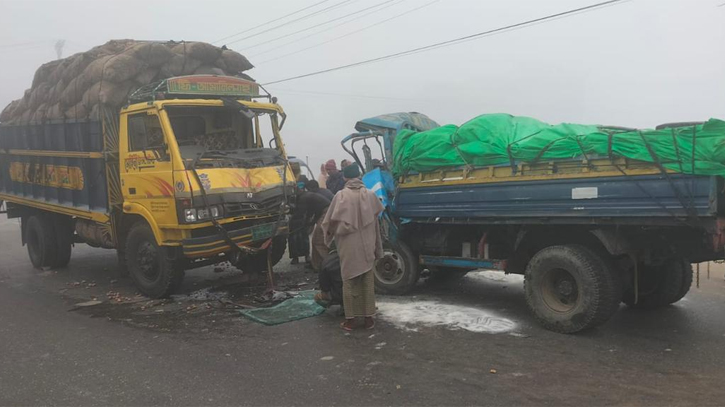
60,164
641,199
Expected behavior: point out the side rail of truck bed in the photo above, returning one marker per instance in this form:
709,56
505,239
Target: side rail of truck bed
55,166
574,192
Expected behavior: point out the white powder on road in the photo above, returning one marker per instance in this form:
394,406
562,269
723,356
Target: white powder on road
498,276
406,314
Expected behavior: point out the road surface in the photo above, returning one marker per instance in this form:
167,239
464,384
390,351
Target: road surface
471,343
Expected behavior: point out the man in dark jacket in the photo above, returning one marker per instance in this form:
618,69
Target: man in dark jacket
335,180
314,186
312,208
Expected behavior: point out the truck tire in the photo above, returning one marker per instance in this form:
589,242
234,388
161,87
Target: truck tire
257,263
571,288
40,239
398,271
63,229
661,285
154,274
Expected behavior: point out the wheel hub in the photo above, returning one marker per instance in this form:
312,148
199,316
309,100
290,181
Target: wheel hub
390,268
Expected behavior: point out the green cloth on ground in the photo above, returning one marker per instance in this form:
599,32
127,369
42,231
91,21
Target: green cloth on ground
495,139
300,307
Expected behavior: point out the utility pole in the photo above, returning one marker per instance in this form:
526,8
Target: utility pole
59,48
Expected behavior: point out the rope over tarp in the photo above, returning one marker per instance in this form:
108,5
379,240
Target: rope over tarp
502,139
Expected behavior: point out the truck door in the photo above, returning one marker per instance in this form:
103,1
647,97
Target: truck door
147,171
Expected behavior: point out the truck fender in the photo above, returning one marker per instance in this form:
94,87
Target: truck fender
615,243
132,208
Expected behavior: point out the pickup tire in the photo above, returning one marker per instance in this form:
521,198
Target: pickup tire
661,285
41,240
398,271
154,274
257,263
571,288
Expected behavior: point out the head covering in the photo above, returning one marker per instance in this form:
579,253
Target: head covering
330,165
351,171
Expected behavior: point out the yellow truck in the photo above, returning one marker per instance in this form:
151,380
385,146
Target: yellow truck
191,172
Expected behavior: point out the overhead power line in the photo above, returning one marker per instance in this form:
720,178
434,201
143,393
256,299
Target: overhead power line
360,17
348,34
347,95
272,21
319,25
304,17
456,40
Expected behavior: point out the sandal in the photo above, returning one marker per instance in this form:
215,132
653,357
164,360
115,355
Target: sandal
369,323
348,325
323,299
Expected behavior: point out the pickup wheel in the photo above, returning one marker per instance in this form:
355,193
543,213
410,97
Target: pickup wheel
154,274
397,271
661,285
571,288
257,263
41,241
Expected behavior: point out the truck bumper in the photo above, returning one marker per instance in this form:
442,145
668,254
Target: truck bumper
251,236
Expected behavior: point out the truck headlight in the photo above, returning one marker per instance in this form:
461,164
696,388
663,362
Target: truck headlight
190,215
203,213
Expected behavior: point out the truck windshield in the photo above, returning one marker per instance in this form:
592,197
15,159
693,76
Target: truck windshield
225,136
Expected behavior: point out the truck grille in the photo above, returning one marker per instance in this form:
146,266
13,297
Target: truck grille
267,206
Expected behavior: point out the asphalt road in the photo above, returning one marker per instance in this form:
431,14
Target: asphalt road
192,351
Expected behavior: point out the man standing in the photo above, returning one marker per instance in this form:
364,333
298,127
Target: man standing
311,208
335,181
352,221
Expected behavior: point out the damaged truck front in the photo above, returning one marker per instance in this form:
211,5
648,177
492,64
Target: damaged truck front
192,172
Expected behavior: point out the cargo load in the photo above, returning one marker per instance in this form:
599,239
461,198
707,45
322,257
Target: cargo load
75,88
502,139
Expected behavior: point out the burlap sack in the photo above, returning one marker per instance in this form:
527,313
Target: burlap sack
206,53
72,93
208,70
179,65
77,112
25,117
41,75
9,112
154,54
123,67
146,76
94,72
54,112
115,94
235,62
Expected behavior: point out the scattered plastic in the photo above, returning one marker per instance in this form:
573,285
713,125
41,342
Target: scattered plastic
89,303
299,307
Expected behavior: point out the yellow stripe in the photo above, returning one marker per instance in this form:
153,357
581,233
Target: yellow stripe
96,216
538,172
60,154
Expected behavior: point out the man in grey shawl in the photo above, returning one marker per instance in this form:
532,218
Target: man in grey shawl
352,222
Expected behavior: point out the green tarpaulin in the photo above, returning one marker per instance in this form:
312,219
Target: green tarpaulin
494,139
299,307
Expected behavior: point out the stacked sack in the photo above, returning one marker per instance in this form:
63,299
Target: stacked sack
75,88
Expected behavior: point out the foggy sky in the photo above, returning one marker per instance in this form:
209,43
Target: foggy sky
638,64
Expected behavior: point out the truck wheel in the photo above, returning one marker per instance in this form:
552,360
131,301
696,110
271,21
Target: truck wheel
398,271
570,288
63,229
154,274
257,263
40,239
662,285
